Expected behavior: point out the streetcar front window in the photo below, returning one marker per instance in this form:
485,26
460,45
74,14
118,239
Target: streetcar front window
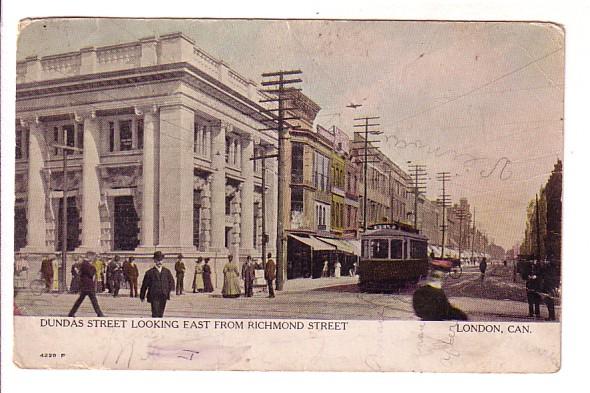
379,248
418,249
397,249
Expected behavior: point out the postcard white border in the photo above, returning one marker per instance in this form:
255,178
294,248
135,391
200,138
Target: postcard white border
572,14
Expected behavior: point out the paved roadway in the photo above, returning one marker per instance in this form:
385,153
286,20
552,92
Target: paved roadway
329,298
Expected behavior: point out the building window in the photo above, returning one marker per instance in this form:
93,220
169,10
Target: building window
297,162
228,200
196,218
321,172
69,135
297,200
111,136
22,143
228,148
201,134
228,236
140,133
125,135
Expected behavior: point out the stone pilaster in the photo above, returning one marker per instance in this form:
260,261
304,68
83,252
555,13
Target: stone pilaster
206,216
176,179
218,187
236,211
37,192
91,185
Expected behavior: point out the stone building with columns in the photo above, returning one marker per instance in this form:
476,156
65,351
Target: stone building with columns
166,133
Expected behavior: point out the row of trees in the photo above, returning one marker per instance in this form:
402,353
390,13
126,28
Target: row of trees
542,237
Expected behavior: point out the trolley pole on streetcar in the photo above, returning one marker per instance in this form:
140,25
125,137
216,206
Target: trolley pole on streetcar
64,214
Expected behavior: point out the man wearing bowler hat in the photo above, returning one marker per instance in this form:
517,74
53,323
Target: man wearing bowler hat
158,283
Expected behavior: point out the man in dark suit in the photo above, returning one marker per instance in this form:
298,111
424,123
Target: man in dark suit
158,283
248,275
180,269
87,287
270,273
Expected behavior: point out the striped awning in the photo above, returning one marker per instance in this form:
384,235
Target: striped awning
340,245
314,243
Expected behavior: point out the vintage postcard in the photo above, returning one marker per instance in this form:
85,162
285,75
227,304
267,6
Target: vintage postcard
298,195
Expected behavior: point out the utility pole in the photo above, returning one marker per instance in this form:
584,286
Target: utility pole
538,228
473,234
444,201
279,124
366,154
461,214
263,158
419,174
64,214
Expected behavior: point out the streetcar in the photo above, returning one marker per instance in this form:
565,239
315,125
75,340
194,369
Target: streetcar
392,255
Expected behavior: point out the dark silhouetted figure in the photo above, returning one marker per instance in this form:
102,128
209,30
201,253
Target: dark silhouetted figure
431,304
270,273
483,265
87,287
179,268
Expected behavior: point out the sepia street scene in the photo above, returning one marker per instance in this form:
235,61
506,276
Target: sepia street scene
325,169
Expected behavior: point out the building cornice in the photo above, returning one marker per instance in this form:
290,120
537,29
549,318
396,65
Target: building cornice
183,72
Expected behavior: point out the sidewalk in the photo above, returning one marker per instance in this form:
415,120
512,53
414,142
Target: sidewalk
307,284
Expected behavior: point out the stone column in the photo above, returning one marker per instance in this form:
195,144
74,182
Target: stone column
236,217
91,185
218,187
36,193
247,222
206,216
150,164
176,179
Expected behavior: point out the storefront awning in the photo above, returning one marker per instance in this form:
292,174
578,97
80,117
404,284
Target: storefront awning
356,246
340,245
314,243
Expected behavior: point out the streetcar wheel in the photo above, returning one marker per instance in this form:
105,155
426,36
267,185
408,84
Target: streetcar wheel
455,272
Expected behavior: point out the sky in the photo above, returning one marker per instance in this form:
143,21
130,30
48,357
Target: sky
481,100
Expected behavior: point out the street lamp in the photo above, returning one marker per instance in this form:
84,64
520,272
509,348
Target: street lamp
64,224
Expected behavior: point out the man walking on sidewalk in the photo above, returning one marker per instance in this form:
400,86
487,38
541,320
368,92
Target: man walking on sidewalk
87,288
179,268
158,283
270,273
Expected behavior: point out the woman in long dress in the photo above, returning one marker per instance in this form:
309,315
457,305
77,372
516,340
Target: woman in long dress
198,283
231,279
337,268
207,277
75,284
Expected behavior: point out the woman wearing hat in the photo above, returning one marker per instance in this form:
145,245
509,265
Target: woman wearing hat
207,277
231,278
198,283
